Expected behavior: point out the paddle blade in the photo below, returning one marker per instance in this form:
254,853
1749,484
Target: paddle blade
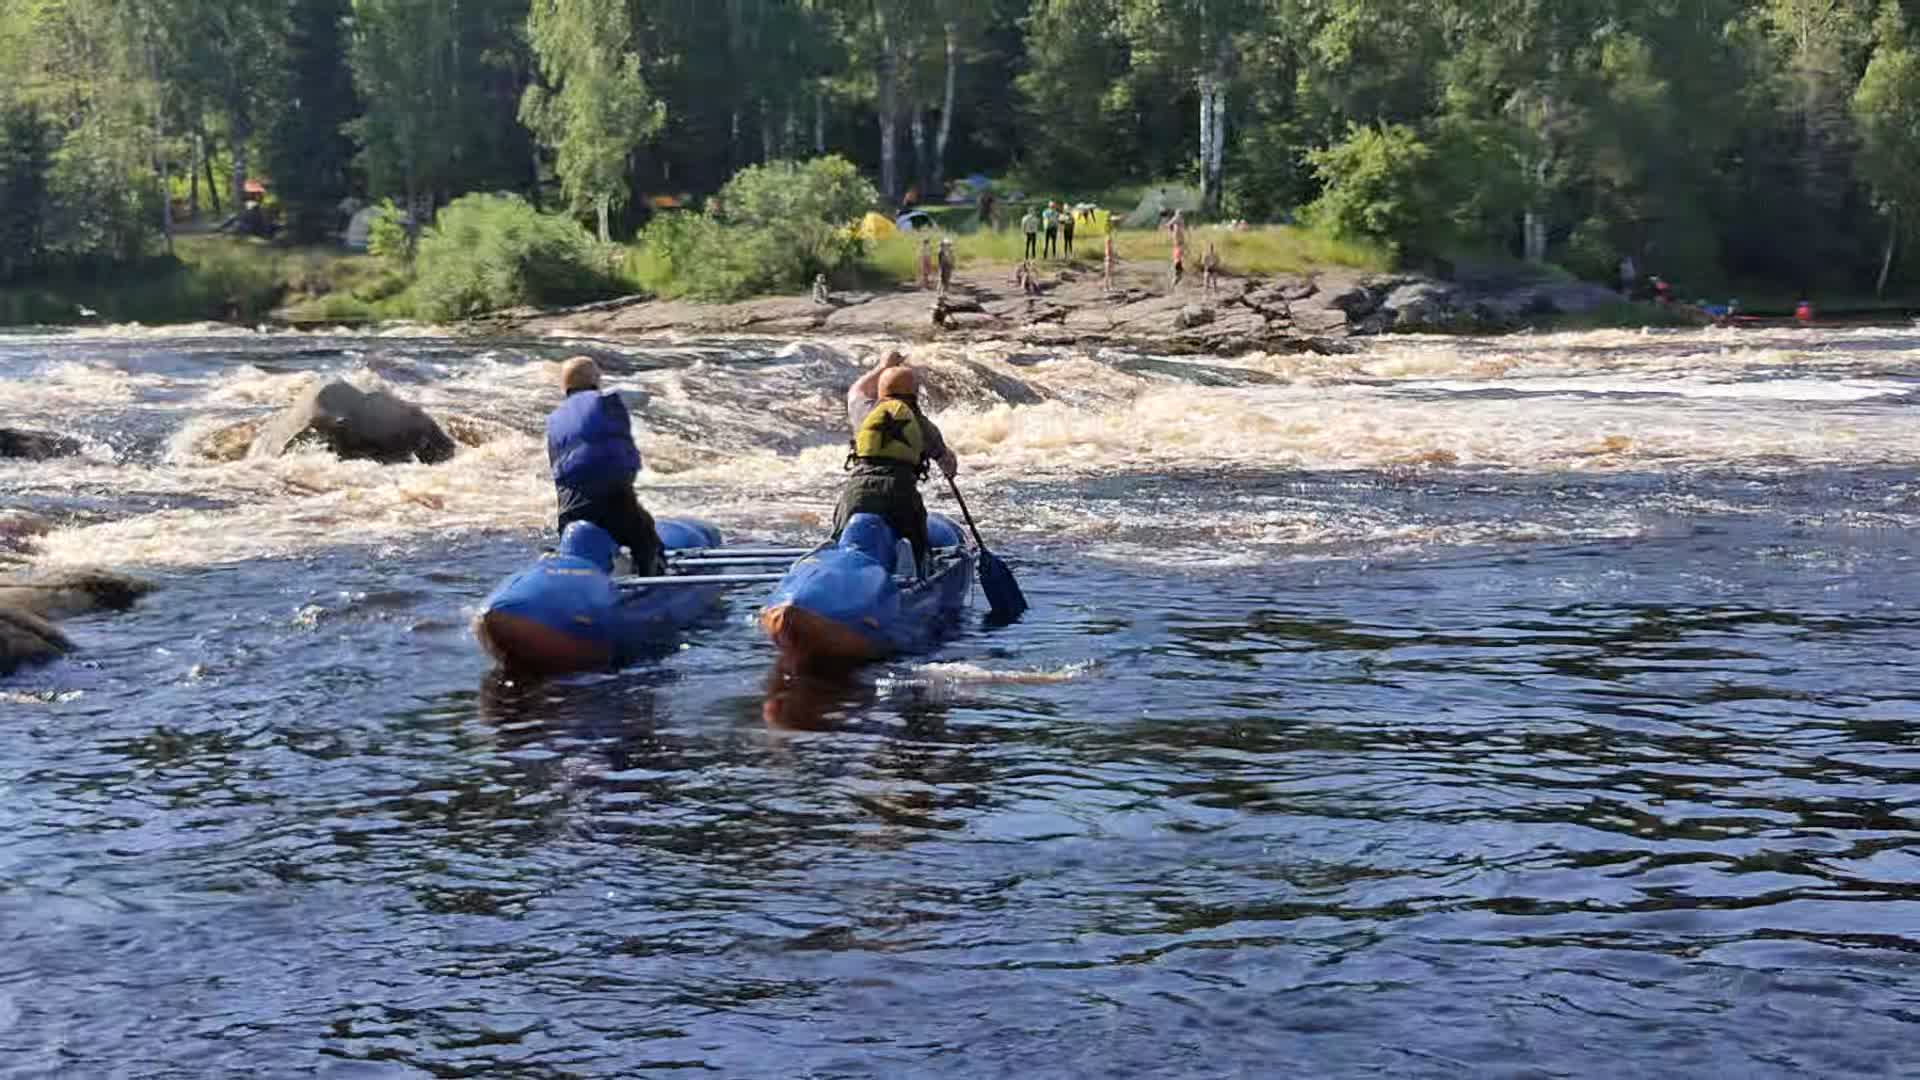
1003,593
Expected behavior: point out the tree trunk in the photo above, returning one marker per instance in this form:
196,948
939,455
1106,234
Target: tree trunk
918,126
193,179
1217,167
1886,261
413,219
241,132
819,120
1206,142
213,189
790,132
889,116
605,205
166,201
767,152
733,140
946,113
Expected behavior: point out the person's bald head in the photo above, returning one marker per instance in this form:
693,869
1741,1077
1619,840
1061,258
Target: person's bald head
898,382
579,373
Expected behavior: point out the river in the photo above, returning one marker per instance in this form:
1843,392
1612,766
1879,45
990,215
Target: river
1536,706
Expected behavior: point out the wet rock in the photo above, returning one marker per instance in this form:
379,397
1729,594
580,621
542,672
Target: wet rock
1320,321
27,639
29,602
356,425
1356,301
1420,305
35,445
55,594
1192,315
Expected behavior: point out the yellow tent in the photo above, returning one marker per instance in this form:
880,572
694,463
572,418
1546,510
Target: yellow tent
875,227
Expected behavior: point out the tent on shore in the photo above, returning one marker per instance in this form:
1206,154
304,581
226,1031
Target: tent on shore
1159,203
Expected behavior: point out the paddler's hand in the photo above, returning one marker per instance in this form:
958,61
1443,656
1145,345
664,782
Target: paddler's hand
949,464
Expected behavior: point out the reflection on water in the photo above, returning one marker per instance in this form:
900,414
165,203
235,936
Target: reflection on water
1430,770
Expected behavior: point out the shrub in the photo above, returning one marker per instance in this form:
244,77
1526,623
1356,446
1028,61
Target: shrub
782,194
1374,187
772,228
387,234
495,251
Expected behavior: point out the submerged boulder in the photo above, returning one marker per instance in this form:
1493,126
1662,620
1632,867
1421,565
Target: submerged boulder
35,445
54,594
28,602
26,638
354,424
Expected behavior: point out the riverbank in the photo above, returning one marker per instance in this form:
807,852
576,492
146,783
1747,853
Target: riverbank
1309,311
1281,290
209,277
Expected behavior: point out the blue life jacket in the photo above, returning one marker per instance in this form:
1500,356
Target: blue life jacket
590,443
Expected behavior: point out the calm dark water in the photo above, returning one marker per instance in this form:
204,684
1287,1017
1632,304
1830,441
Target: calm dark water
1508,770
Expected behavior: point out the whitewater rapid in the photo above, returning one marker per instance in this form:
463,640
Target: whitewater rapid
747,434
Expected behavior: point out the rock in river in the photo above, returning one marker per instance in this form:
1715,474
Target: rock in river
35,445
28,602
355,424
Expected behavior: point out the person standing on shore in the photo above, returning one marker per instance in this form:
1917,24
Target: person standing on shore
1066,231
1030,224
926,262
1210,269
1050,220
1106,272
946,263
986,210
1179,269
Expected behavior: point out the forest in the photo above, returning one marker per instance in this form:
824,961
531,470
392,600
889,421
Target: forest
1771,143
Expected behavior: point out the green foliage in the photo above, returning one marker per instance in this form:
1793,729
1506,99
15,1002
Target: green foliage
1376,187
489,252
387,235
599,108
25,147
775,226
826,191
1886,106
307,152
1765,140
1076,95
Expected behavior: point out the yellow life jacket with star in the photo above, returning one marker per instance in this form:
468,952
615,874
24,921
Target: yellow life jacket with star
891,435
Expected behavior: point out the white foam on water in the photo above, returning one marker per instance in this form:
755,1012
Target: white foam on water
1784,390
758,447
972,673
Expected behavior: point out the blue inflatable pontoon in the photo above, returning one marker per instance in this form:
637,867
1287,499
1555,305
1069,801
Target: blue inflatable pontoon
567,612
861,598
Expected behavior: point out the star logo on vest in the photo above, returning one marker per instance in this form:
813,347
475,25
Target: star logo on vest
893,428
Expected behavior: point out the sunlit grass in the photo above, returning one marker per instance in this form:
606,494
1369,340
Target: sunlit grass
1272,249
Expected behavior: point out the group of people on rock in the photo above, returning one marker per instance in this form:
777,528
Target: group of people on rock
593,459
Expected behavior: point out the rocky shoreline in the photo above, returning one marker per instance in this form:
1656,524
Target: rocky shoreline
1313,312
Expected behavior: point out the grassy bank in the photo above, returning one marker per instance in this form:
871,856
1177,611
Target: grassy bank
224,278
1273,249
209,277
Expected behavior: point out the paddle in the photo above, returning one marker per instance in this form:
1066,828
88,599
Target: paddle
1003,593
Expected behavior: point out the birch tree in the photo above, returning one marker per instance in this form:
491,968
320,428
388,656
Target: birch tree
595,107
